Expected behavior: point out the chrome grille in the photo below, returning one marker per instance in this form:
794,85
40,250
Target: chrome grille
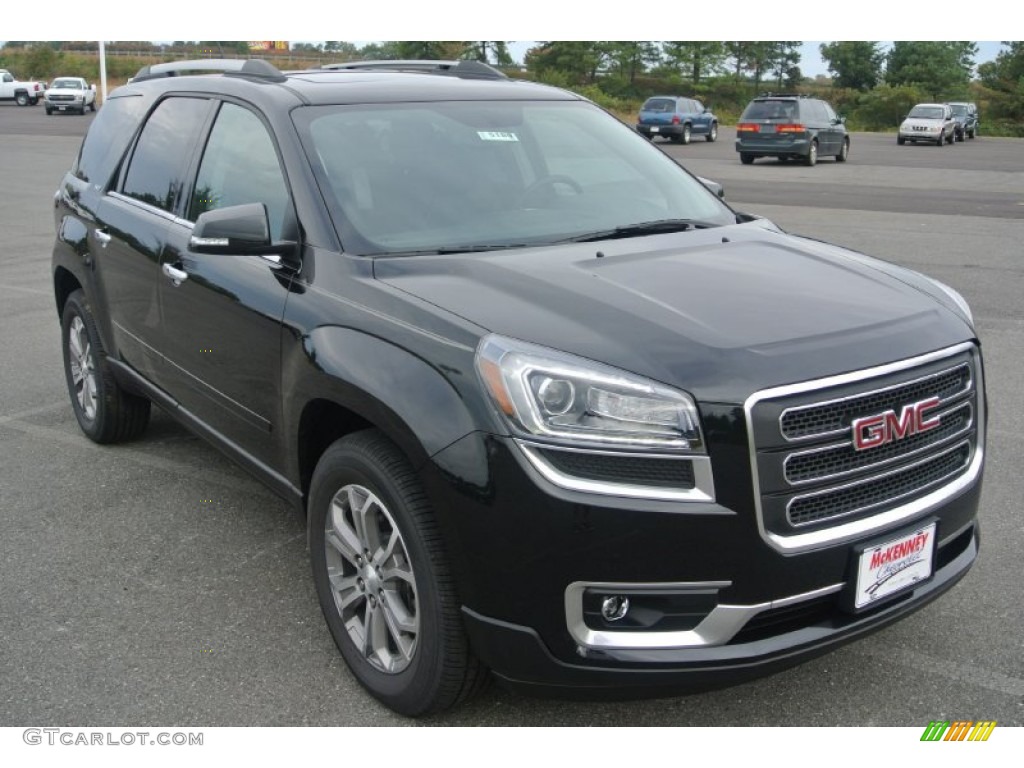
889,488
833,417
814,487
842,459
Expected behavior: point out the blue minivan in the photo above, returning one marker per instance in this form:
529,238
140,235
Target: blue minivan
676,118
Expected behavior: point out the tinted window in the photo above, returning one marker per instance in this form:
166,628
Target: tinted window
458,174
813,112
240,166
771,109
659,105
163,150
698,107
108,137
830,114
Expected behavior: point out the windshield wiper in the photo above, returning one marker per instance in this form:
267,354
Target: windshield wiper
450,249
640,229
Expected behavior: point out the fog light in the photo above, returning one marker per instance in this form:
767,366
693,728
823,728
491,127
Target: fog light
614,607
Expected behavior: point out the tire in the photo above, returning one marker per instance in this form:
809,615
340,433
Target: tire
746,158
92,107
21,99
686,134
33,101
391,575
49,111
812,155
900,140
712,134
105,412
844,152
941,141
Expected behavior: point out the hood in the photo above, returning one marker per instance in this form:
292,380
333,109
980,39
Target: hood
719,312
934,121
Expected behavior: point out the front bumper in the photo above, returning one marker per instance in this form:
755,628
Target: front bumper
522,546
64,106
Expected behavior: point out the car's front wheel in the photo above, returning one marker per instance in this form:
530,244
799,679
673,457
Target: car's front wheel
105,412
844,152
381,574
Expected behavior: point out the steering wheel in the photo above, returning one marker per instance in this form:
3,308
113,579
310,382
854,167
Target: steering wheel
550,181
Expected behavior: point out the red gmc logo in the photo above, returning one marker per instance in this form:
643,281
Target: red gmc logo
873,431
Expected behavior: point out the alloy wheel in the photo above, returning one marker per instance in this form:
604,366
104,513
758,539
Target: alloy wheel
372,579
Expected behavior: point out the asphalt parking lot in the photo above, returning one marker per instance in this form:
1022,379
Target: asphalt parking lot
156,583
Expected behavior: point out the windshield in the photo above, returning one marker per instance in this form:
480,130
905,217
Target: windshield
659,105
927,113
477,175
959,109
67,84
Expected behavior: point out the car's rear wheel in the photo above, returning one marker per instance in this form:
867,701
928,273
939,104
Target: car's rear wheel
686,134
21,99
105,412
812,154
746,158
712,133
844,151
382,577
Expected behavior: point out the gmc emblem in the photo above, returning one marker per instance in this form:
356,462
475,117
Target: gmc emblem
873,431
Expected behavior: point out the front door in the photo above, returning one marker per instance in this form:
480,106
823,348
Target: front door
222,313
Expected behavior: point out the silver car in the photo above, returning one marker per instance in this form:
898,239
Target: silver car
932,123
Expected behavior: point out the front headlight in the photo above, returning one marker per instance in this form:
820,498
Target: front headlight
558,397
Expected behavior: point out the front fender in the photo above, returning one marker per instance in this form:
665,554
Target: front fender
413,402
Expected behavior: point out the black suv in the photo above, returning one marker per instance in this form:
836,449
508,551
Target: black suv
791,127
965,113
550,407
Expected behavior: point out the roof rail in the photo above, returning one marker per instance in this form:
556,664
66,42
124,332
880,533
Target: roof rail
769,94
243,67
466,68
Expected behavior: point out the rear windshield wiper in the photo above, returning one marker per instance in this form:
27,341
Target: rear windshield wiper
640,229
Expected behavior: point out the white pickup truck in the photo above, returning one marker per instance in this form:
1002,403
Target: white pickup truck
70,94
22,92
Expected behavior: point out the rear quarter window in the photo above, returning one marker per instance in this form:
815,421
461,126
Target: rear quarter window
108,138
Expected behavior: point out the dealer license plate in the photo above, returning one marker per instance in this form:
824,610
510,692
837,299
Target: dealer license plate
896,565
654,129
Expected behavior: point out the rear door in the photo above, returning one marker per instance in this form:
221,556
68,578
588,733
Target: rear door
133,219
223,319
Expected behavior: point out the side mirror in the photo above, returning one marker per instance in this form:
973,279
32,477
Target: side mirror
237,229
716,189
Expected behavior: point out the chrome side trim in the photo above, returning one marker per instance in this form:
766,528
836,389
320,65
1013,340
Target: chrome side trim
840,534
136,203
717,628
884,462
874,478
819,435
704,483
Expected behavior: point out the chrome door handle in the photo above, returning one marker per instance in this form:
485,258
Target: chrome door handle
177,275
101,237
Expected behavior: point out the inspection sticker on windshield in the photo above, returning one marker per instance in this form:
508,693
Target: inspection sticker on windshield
497,136
895,565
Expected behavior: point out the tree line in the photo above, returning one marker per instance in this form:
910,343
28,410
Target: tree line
873,87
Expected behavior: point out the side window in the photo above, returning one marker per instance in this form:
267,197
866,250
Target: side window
698,107
163,150
830,114
108,138
240,166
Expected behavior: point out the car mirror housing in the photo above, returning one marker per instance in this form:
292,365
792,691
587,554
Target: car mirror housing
237,229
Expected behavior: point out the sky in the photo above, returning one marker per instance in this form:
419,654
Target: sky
522,20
